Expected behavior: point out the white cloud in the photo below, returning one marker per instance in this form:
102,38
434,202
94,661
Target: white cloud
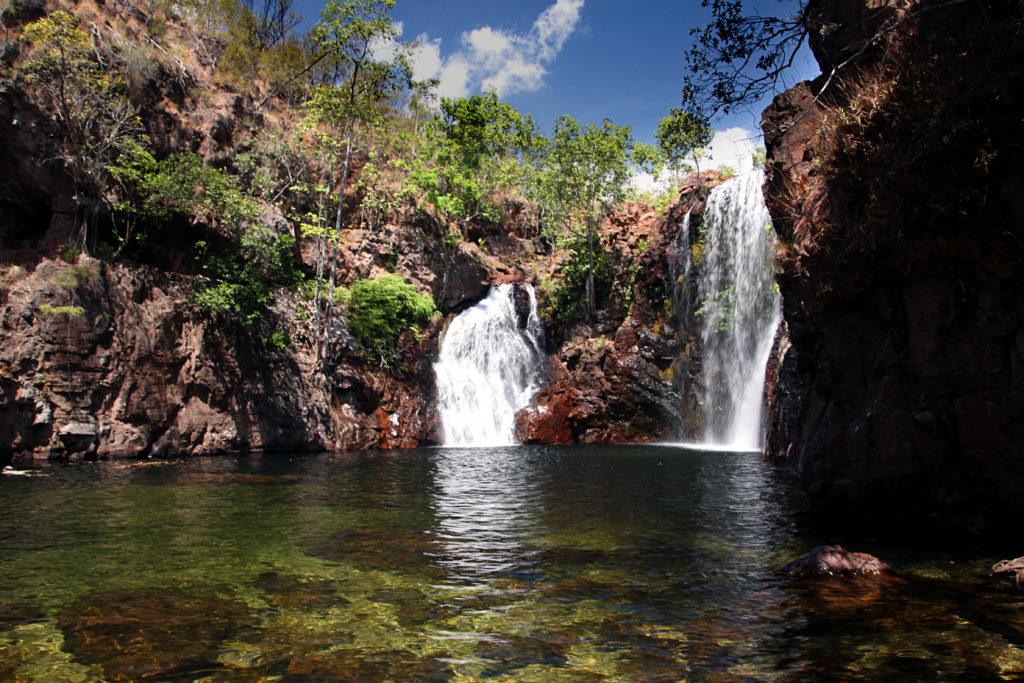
555,25
494,58
733,147
425,58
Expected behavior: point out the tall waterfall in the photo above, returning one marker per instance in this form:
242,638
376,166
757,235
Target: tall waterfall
489,367
739,311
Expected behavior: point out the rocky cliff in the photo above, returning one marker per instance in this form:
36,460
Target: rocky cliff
896,188
104,359
108,354
108,357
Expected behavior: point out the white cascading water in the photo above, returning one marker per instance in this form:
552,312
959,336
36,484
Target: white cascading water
739,311
488,369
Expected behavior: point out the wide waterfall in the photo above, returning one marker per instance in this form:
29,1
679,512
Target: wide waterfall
489,367
738,312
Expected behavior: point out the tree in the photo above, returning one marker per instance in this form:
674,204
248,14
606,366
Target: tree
738,58
276,163
479,147
680,134
261,44
356,96
585,173
96,122
271,21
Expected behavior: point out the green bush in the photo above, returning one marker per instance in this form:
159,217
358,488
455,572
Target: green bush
243,282
380,310
180,186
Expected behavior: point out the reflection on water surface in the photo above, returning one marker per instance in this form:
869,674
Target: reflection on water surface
632,563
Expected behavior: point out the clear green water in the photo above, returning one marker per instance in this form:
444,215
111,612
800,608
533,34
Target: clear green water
524,564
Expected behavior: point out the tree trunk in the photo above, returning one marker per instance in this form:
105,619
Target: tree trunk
590,307
321,254
334,247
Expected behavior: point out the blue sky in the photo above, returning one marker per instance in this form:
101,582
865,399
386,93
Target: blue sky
592,59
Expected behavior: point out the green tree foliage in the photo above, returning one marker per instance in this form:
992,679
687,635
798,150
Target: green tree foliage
277,165
585,172
242,281
96,122
760,157
379,310
478,147
680,135
571,287
180,186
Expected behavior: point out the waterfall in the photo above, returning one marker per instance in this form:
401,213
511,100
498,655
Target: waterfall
489,367
739,310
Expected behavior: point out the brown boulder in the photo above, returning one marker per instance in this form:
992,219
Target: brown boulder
835,560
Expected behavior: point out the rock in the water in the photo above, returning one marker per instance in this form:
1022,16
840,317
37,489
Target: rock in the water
835,560
151,632
1009,570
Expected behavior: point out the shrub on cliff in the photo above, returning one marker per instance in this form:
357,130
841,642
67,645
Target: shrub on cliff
379,310
243,281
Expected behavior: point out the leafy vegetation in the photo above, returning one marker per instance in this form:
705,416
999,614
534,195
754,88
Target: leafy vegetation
342,138
243,282
585,172
379,310
569,296
477,148
680,135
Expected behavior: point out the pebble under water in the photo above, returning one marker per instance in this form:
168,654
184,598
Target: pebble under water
520,563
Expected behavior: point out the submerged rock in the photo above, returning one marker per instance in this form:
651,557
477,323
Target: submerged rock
358,665
371,549
143,633
18,614
835,560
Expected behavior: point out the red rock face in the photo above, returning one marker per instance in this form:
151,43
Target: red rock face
900,387
602,391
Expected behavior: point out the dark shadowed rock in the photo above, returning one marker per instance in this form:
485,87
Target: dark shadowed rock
835,560
900,376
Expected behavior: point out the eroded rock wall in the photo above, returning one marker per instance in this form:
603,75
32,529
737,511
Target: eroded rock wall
897,197
109,360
